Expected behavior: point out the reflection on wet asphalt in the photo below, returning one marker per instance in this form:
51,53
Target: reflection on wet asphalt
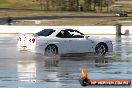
28,70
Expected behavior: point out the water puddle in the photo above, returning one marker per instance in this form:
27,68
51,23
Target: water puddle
28,70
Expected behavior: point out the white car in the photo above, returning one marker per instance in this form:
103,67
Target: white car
63,41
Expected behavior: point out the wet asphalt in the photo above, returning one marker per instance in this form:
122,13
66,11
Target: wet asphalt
23,69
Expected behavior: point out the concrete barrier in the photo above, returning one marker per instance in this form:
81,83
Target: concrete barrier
111,30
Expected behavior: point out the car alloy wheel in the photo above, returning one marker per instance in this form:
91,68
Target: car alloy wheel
100,49
51,50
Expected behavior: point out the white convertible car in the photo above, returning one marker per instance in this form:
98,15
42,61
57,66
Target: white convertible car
52,42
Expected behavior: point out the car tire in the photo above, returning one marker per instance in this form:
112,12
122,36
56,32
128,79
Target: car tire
101,49
51,50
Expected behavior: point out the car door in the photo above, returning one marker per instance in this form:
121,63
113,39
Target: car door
75,42
65,45
65,42
80,45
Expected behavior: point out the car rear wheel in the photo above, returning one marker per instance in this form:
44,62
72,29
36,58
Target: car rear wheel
51,50
101,49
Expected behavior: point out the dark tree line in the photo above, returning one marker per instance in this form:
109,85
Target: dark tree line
97,5
75,5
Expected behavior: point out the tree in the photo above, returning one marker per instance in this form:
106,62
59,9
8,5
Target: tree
72,5
87,5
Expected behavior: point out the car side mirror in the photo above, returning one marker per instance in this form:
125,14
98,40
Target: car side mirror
87,37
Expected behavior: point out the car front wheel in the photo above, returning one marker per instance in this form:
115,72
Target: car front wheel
101,49
51,50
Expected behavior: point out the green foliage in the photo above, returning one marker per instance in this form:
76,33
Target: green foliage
4,4
59,5
3,1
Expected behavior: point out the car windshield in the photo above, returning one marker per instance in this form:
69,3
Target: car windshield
45,32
